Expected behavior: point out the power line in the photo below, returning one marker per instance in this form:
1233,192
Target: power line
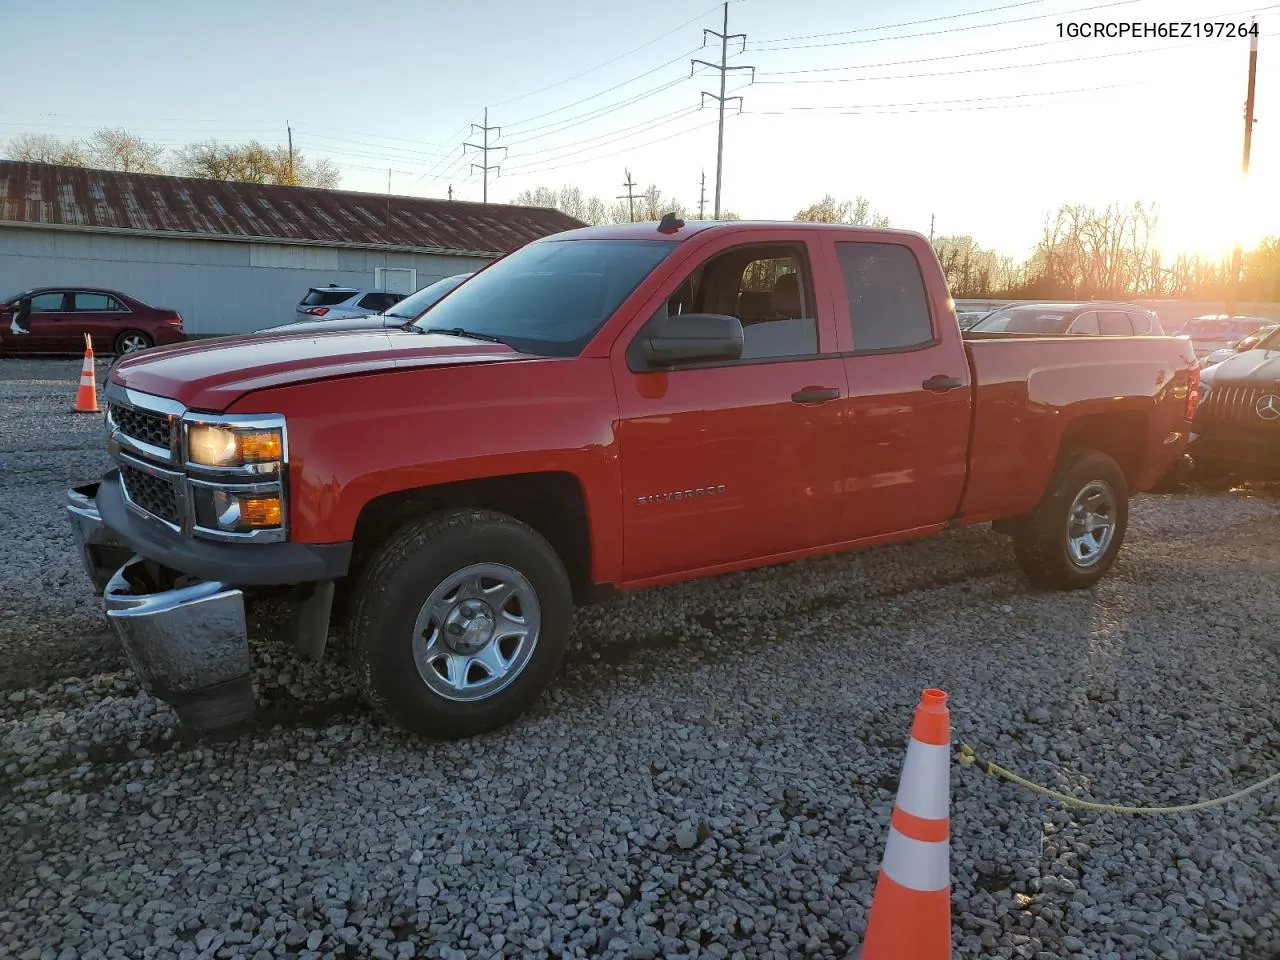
666,138
838,108
947,30
609,62
992,69
568,123
724,69
484,148
614,134
905,23
435,167
629,196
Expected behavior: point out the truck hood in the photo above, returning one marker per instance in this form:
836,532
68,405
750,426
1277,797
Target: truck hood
1252,366
211,375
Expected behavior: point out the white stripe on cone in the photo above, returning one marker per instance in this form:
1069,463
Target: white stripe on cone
916,864
925,787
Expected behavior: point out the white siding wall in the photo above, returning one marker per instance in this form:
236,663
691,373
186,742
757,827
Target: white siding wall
218,286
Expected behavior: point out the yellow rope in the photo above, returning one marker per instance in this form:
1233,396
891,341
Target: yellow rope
969,757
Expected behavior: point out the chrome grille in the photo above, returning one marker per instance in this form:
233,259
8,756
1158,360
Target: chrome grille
1237,404
152,428
153,494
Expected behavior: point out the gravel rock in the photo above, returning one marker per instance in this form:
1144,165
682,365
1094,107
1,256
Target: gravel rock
712,775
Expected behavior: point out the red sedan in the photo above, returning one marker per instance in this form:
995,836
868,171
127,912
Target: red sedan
57,318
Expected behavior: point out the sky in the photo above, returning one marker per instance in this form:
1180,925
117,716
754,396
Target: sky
977,117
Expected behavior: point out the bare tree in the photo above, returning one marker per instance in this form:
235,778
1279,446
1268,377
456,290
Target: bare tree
42,148
567,199
856,212
254,162
112,148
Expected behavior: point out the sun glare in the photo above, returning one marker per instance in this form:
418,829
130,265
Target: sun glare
1212,223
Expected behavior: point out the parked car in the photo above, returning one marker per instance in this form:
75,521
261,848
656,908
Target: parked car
1237,423
606,408
60,317
337,303
1248,343
1218,331
410,308
1096,318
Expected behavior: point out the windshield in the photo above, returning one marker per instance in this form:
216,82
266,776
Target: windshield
1270,339
1023,320
412,306
1222,328
549,297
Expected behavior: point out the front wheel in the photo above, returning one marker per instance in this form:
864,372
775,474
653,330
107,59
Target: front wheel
460,623
1070,540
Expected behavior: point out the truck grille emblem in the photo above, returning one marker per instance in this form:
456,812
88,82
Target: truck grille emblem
1268,407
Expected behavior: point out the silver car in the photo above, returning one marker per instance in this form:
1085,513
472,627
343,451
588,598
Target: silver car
337,303
408,308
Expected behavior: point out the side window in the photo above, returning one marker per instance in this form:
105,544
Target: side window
1115,324
47,303
1141,324
767,288
1086,325
888,306
97,301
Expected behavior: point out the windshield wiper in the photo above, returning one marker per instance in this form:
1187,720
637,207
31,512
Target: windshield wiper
459,332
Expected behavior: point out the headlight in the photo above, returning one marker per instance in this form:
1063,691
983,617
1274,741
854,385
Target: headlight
214,446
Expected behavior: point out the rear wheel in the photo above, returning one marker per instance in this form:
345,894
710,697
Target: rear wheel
1070,540
131,341
459,623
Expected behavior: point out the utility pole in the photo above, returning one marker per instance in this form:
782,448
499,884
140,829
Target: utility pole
724,68
629,196
484,148
451,191
931,229
702,196
289,129
1234,301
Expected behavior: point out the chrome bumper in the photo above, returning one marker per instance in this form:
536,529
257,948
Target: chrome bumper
185,638
101,552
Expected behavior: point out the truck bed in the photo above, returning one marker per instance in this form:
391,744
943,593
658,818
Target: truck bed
1026,388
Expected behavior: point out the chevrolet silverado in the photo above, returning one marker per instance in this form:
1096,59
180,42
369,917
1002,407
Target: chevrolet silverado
606,408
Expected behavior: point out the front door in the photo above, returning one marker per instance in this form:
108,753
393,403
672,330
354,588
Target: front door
734,461
910,399
45,323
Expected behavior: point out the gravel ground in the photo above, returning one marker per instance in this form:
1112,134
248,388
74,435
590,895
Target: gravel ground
711,777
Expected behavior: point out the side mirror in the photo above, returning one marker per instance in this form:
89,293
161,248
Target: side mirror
666,341
1248,343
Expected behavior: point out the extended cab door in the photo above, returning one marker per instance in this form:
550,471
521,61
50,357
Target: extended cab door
906,431
734,461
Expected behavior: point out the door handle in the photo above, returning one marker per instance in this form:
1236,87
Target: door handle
815,395
941,383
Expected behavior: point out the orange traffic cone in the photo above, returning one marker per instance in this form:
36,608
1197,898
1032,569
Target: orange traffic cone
87,395
911,909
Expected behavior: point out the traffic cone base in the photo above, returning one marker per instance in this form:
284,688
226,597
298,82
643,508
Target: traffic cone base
911,909
87,393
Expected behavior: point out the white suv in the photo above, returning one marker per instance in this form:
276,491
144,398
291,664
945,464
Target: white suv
341,303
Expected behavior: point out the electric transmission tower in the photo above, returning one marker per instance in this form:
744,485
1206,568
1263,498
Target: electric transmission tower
484,148
724,68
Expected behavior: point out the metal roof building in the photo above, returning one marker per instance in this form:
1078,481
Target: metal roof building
234,257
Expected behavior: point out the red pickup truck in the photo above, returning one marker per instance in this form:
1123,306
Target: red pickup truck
611,407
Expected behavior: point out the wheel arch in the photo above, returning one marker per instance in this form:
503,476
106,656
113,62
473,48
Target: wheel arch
553,503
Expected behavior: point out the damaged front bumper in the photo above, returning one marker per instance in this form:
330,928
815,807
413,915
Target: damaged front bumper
185,637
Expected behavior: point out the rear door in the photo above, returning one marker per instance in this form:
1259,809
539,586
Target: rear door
100,315
906,427
732,461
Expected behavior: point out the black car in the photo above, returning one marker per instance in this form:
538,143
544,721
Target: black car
1237,424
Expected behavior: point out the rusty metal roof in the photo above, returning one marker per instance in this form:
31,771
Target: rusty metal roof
41,194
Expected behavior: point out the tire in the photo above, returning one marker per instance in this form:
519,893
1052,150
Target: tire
1041,539
131,341
411,669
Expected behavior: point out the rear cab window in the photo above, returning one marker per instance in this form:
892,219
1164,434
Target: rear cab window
888,303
